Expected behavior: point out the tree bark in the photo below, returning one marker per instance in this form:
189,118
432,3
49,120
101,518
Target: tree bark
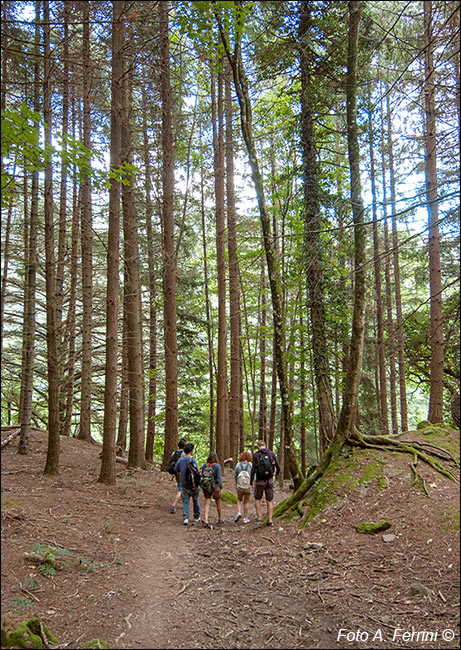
27,370
52,459
313,244
241,86
435,275
107,473
136,455
87,243
222,420
169,256
234,296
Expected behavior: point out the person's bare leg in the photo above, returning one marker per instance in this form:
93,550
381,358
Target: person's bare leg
258,509
219,508
207,509
269,510
246,499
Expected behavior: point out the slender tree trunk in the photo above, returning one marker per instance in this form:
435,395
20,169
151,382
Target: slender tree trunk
87,242
209,327
222,422
398,297
27,371
52,459
262,421
152,393
107,473
388,285
169,257
381,358
241,87
435,276
234,297
70,335
350,397
136,455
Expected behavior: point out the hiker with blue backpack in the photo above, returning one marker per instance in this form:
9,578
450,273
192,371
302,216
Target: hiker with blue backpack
242,475
175,456
212,486
189,481
264,464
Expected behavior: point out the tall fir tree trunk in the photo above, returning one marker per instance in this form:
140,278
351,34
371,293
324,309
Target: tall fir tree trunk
87,243
169,253
222,414
241,87
136,455
27,370
313,244
350,396
262,419
209,328
52,458
107,473
397,281
234,296
435,274
152,378
381,348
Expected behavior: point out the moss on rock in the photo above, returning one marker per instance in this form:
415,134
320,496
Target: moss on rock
229,497
27,634
373,527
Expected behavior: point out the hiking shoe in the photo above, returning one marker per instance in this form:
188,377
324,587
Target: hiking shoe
205,524
238,516
196,521
220,521
172,510
185,522
245,521
270,523
259,522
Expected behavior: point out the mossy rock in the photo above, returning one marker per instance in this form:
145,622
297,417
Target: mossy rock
373,527
96,643
423,424
229,497
27,634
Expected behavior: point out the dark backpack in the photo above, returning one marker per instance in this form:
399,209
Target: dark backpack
175,456
192,477
264,466
207,481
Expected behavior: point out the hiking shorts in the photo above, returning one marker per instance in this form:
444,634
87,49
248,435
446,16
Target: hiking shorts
215,494
264,487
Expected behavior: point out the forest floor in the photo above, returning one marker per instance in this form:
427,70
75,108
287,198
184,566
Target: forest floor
134,576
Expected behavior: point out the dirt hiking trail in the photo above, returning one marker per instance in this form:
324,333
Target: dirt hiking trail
135,577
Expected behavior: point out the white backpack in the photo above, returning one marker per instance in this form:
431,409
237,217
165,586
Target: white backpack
243,481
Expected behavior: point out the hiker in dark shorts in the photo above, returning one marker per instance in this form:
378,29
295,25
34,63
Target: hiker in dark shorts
264,464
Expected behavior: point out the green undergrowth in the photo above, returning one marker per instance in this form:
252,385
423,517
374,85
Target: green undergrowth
360,470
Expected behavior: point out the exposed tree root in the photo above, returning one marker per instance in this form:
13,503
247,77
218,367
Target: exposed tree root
425,452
